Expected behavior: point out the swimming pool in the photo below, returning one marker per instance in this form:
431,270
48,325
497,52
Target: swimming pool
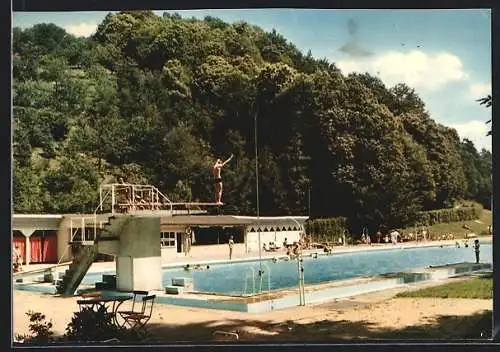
242,279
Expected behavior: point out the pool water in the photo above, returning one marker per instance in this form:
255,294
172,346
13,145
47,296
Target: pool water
242,279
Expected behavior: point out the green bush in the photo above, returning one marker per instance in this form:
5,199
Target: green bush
326,230
40,329
92,325
432,217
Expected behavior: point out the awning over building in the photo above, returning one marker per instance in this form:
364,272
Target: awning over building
275,220
205,220
29,223
233,220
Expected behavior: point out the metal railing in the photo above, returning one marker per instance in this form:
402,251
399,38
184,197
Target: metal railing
82,219
248,276
133,197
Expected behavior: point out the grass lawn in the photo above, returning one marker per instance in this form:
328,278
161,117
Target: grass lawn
456,228
478,287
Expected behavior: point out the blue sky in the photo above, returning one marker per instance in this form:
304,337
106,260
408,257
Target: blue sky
444,54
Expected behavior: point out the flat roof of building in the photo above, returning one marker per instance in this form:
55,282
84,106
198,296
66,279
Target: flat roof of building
195,220
228,220
203,220
37,216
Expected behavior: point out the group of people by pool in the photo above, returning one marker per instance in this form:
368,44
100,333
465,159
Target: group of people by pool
465,243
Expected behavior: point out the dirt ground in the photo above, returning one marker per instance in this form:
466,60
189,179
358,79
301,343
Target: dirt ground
370,316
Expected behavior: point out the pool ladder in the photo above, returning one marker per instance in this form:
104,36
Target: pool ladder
300,275
252,276
253,280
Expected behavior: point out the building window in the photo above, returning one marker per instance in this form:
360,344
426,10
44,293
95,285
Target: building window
168,239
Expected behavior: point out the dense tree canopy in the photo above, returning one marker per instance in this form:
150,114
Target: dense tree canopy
157,99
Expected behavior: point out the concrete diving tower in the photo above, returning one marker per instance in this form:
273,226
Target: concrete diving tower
134,241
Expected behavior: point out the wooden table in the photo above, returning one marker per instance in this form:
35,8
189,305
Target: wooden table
103,302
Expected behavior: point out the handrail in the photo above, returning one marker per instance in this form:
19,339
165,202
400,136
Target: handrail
95,213
151,190
40,270
94,218
166,198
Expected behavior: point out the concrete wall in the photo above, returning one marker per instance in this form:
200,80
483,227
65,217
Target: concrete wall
124,273
63,238
168,254
137,237
109,247
138,266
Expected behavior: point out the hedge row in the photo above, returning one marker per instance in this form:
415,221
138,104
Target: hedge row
429,218
329,229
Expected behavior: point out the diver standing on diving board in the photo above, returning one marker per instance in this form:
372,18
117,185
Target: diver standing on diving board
218,180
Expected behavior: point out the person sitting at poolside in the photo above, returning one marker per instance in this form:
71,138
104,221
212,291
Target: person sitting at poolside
274,247
296,249
17,262
275,259
187,267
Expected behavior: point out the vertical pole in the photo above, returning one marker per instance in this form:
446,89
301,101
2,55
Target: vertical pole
27,248
257,195
309,200
300,285
151,198
100,198
113,199
133,197
83,229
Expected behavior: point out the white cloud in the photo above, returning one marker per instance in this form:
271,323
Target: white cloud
82,29
479,90
416,68
476,132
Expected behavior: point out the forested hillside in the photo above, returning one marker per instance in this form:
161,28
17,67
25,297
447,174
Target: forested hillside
156,100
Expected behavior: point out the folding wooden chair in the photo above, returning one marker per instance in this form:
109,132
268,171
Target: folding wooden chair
137,294
137,320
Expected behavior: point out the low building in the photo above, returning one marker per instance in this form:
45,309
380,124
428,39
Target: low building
44,238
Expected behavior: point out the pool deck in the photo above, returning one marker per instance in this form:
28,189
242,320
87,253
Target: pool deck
314,294
320,293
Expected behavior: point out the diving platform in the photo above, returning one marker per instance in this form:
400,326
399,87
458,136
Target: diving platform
128,198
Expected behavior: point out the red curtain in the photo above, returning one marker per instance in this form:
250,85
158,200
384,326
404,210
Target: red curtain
43,247
21,243
36,245
50,249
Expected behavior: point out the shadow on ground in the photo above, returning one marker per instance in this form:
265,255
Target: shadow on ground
477,326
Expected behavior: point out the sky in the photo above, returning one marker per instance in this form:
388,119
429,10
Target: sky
445,55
